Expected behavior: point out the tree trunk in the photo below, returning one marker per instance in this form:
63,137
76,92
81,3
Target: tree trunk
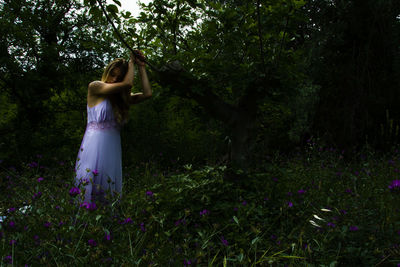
240,119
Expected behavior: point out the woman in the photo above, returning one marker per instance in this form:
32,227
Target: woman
98,165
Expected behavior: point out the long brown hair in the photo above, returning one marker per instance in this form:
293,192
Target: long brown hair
119,101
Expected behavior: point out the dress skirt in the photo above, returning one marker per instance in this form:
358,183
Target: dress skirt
98,165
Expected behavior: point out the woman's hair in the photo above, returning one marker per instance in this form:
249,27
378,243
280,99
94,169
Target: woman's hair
119,101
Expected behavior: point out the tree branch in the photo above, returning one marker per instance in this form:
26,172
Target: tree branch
122,39
184,85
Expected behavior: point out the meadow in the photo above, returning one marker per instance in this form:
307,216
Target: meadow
311,208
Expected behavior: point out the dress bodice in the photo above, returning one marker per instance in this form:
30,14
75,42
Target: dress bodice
101,116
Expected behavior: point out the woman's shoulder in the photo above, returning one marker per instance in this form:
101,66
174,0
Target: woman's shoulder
95,84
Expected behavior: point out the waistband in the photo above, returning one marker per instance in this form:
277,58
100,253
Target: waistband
104,125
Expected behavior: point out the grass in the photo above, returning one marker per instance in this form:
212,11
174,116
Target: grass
310,209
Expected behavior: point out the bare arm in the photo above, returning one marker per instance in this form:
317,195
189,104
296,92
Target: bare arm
139,97
102,88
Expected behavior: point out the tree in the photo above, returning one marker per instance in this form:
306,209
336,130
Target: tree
47,48
226,55
356,62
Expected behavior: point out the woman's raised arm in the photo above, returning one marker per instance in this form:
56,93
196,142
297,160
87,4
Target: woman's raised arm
104,88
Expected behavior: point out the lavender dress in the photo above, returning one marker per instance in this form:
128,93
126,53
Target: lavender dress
98,165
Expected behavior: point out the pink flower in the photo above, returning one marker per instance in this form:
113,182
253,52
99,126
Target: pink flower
40,179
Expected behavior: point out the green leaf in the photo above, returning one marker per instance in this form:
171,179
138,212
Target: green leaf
117,2
95,12
112,9
255,240
236,219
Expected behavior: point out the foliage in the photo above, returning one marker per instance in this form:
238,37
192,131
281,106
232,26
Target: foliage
46,64
312,209
164,130
354,56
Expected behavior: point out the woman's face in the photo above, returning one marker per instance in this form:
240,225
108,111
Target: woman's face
114,75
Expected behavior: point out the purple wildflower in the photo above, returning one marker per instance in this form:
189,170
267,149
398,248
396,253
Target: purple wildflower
149,193
108,237
92,242
290,204
11,210
301,191
92,206
85,205
395,185
12,242
40,179
353,228
204,212
126,221
95,172
8,259
37,195
331,224
142,227
186,262
224,241
74,191
33,164
85,181
47,224
11,224
88,206
244,203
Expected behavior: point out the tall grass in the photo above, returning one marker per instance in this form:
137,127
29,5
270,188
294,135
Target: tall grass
310,209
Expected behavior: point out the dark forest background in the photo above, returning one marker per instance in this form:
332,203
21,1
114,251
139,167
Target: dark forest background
238,80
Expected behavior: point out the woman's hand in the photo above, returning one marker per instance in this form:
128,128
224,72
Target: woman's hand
139,60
